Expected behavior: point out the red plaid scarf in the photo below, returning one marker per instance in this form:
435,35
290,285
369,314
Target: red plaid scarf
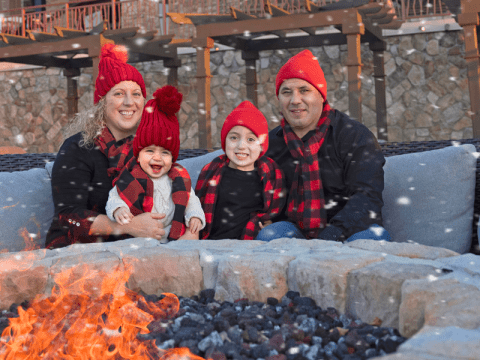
273,193
136,188
118,153
306,203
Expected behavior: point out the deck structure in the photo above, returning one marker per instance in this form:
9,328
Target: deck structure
350,22
468,16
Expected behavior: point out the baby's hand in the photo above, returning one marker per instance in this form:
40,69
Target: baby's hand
123,215
195,225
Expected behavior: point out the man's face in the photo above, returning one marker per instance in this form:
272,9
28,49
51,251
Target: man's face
301,104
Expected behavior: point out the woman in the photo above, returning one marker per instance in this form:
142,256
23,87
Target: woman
88,161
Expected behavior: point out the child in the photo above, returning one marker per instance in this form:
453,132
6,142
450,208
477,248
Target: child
241,191
151,181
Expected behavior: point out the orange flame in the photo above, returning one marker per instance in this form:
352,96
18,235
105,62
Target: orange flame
75,324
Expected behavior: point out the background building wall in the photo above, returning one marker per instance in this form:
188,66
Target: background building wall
427,92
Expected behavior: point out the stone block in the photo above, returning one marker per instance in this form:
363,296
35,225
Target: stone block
228,58
375,290
416,75
23,275
432,47
159,269
323,276
438,302
256,277
439,343
86,267
413,251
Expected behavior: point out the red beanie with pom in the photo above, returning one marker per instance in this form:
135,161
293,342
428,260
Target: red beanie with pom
159,125
246,114
113,69
306,67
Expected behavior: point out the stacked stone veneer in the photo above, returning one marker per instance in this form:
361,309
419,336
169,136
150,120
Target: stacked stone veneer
427,92
408,286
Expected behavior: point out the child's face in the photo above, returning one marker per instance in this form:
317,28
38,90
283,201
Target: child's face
155,161
242,148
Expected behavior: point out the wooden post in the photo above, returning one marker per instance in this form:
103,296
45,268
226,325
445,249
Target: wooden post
114,16
172,65
378,47
251,58
469,22
72,93
353,27
203,46
94,53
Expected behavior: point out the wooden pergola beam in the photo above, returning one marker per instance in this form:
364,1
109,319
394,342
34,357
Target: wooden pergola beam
469,20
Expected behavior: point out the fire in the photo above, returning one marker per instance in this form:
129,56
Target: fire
74,323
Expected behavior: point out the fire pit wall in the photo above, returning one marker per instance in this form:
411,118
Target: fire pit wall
418,289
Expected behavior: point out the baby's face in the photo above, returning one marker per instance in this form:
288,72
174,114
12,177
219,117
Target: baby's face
155,161
242,148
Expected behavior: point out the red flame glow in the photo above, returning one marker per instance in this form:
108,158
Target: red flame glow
76,324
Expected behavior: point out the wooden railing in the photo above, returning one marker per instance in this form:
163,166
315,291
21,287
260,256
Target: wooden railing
76,15
151,14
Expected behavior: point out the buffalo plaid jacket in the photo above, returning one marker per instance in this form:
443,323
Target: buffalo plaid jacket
273,182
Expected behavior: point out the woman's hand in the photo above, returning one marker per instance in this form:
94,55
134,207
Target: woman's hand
146,225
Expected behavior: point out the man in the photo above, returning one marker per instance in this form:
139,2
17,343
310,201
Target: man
333,164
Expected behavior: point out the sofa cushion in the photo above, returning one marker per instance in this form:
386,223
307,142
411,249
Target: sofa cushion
26,209
196,164
428,197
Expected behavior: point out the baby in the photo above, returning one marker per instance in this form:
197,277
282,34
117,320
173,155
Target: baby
151,181
242,191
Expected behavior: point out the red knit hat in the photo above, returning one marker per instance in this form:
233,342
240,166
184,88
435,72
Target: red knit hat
306,67
246,114
113,69
159,125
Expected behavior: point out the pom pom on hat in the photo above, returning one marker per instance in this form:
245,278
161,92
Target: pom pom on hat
116,52
303,66
159,125
113,69
246,114
168,99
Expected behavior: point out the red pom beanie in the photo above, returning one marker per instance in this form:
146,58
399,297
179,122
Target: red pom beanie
113,69
303,66
159,125
246,114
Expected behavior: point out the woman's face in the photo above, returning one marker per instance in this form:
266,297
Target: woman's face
123,108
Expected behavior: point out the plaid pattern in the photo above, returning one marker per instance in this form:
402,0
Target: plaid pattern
136,189
118,156
306,203
273,182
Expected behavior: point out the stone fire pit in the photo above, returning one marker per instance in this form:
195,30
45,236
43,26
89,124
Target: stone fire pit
432,295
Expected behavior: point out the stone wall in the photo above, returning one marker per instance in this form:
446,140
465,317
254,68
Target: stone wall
427,91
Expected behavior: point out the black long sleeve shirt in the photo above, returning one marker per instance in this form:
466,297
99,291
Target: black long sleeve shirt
80,187
351,168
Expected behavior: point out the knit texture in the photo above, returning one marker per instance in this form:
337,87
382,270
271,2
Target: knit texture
159,125
113,69
306,202
303,66
246,114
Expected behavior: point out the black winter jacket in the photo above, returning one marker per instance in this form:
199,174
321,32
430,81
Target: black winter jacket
351,167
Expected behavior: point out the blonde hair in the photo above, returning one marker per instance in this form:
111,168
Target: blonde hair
89,122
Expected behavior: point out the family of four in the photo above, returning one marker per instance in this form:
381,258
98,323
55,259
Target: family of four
319,175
